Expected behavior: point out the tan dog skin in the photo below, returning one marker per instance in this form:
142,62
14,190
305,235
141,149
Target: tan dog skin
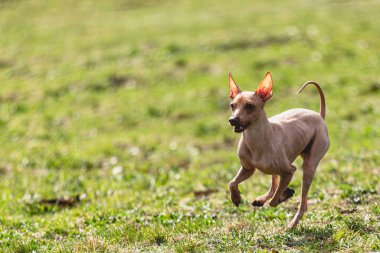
271,145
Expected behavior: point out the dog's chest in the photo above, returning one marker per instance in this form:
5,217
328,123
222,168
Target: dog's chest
260,160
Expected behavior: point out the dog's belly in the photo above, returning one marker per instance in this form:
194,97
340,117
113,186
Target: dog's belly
263,162
293,130
268,170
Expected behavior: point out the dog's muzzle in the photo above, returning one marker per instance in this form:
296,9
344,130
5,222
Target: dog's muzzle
238,127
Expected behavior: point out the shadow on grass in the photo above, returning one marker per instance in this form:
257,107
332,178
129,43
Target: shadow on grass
312,239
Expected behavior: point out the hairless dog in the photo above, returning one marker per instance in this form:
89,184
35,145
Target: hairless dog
271,145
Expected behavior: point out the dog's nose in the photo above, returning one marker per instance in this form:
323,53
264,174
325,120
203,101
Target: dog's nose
233,121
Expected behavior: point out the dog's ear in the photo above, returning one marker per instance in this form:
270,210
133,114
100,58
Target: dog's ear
234,89
265,89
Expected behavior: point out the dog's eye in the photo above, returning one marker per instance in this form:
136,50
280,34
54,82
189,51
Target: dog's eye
249,107
232,106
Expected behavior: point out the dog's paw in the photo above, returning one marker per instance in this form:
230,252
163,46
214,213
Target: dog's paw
288,193
236,202
236,198
258,203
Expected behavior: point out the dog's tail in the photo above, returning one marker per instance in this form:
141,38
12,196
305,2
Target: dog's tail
322,110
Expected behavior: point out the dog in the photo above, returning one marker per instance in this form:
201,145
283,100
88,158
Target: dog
271,145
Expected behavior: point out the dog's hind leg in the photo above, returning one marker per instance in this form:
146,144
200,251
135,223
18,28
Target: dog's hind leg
309,166
285,179
260,201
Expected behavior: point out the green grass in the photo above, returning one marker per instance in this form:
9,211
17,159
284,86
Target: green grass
126,104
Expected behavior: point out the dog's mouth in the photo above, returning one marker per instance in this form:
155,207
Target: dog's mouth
238,125
239,128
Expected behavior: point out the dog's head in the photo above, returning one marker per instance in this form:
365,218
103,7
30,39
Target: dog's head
246,106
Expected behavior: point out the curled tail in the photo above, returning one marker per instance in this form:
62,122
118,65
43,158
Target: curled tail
322,110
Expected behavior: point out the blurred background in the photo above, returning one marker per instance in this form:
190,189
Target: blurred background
120,108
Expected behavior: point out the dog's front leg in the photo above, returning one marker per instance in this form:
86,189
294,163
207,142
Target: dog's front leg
242,175
285,178
260,201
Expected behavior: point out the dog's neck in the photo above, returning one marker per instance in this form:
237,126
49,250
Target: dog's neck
258,135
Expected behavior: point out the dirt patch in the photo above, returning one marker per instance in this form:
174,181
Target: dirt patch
205,193
61,202
138,4
113,82
4,63
248,43
347,210
372,89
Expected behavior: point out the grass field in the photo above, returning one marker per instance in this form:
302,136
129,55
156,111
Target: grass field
125,104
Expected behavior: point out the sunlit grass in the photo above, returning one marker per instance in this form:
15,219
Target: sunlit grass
125,103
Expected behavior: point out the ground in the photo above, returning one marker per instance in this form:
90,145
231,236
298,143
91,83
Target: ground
125,104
